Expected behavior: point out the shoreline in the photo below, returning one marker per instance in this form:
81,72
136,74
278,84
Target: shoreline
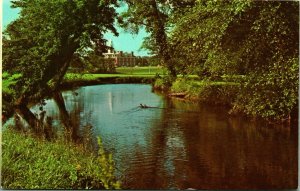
70,84
209,93
223,94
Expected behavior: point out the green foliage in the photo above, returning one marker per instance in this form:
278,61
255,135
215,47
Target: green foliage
223,93
233,37
158,84
255,39
30,163
180,85
8,81
233,78
271,93
106,165
39,45
98,64
8,92
162,83
204,25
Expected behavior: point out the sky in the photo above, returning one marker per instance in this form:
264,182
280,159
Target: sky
126,42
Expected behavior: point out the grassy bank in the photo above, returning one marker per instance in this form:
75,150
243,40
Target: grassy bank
151,70
122,72
214,92
123,75
31,163
231,91
77,80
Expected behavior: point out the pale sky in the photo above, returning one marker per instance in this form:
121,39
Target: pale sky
125,41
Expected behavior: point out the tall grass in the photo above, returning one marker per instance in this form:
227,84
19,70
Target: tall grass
31,163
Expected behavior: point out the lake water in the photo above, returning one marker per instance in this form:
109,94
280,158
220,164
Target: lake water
181,145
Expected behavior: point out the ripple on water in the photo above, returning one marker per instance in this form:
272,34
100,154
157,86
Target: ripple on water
184,145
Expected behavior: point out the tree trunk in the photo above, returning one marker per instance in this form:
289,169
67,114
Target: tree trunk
57,79
34,123
64,116
62,61
170,67
161,39
63,113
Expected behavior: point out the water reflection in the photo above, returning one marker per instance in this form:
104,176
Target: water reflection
233,153
184,145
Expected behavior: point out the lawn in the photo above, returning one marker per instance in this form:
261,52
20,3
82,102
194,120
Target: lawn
121,72
147,70
144,72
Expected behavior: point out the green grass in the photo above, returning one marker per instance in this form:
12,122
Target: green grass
148,72
151,70
142,72
31,163
90,77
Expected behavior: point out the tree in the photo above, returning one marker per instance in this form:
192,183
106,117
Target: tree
258,39
39,45
153,15
270,53
197,34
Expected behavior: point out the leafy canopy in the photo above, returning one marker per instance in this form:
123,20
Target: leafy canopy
41,42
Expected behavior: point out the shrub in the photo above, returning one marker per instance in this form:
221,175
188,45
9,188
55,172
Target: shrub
271,93
233,78
180,85
30,163
223,93
162,83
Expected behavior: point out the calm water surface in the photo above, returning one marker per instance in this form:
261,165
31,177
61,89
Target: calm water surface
182,145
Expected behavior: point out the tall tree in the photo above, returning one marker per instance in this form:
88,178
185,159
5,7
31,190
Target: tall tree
39,45
153,15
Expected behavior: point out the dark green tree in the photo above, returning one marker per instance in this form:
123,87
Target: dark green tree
39,45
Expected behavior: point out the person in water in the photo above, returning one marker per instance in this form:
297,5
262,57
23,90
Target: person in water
143,106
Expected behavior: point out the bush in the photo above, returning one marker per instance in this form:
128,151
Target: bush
30,163
233,78
271,93
181,85
162,83
223,93
219,93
